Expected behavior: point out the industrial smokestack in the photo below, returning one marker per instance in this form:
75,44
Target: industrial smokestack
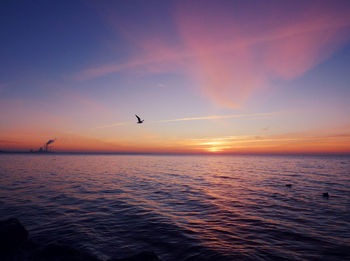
48,143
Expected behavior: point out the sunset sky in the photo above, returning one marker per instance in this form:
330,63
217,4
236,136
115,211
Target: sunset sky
206,76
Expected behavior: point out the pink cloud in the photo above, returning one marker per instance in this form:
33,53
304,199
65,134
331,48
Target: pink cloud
231,50
236,53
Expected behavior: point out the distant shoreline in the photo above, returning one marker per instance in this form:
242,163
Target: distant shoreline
172,154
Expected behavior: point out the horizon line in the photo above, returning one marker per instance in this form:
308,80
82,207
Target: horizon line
321,153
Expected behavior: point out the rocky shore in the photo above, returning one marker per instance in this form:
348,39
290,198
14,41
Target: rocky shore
15,245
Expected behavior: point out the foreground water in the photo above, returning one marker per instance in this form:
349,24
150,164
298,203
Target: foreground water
183,207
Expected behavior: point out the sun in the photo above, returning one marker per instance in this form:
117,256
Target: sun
214,149
214,146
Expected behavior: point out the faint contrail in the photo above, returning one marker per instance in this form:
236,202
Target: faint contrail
215,117
212,117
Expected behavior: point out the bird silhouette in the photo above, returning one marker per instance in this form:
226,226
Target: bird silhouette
139,121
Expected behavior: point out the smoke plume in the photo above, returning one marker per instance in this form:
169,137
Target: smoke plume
50,141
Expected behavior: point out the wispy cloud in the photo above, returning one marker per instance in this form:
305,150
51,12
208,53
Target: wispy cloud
157,59
230,55
217,117
211,117
237,54
289,141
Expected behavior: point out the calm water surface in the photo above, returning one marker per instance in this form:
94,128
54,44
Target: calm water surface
183,207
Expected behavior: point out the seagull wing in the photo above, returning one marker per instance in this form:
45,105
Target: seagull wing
138,118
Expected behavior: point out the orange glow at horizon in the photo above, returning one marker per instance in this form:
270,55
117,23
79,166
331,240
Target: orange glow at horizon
302,143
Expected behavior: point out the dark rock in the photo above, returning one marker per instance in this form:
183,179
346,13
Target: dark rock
24,252
12,234
289,185
15,246
325,195
143,256
62,253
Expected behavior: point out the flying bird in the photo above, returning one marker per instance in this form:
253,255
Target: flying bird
139,121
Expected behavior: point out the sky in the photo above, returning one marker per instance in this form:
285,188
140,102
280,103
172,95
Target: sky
206,76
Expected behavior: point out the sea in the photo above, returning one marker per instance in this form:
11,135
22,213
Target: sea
183,207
